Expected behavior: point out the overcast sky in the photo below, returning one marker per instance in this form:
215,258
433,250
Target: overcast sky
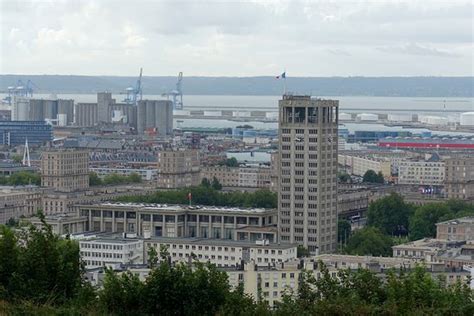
237,38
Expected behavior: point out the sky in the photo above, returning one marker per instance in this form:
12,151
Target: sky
237,38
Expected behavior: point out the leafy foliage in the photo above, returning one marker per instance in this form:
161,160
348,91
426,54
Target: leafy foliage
206,195
369,241
230,162
371,176
390,214
21,178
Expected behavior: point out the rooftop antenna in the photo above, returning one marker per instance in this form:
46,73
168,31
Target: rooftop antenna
26,155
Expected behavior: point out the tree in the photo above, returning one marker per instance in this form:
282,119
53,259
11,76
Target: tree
302,251
422,223
205,183
216,185
16,158
371,176
344,177
343,230
369,241
390,214
94,179
134,178
231,162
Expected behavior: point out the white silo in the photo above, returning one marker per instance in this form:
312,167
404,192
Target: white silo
467,119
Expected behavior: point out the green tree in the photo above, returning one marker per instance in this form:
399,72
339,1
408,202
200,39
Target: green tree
369,241
16,158
370,176
231,162
390,214
94,179
205,183
302,251
344,177
422,223
122,294
343,230
134,178
24,178
216,185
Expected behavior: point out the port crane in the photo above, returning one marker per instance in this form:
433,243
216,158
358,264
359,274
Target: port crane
177,94
134,94
20,89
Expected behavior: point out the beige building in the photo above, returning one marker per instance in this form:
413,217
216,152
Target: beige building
55,202
244,176
65,170
359,165
177,221
307,199
178,168
62,224
16,202
459,178
459,229
421,172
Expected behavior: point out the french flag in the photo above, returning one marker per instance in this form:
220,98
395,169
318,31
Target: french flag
282,76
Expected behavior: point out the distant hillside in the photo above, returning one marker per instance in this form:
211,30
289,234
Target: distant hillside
337,86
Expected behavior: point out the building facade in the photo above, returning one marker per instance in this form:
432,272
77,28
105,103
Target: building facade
359,165
65,170
178,168
14,133
460,229
421,172
175,220
459,178
15,203
307,199
108,252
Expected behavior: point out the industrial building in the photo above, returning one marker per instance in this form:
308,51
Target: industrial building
155,116
57,111
307,199
14,133
86,114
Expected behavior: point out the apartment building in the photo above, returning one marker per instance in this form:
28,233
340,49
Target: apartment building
307,199
244,176
178,168
459,178
223,253
65,170
359,165
459,229
421,172
18,202
106,252
176,221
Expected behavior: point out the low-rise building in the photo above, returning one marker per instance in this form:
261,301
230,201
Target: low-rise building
61,224
223,253
104,252
147,174
459,229
245,176
359,165
18,202
428,172
161,220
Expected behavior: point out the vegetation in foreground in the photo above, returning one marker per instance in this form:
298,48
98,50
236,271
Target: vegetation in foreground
42,274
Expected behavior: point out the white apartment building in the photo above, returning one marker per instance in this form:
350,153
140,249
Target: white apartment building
359,165
223,253
101,252
424,172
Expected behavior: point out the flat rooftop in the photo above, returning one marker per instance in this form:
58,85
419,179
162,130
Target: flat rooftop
457,221
218,242
180,207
